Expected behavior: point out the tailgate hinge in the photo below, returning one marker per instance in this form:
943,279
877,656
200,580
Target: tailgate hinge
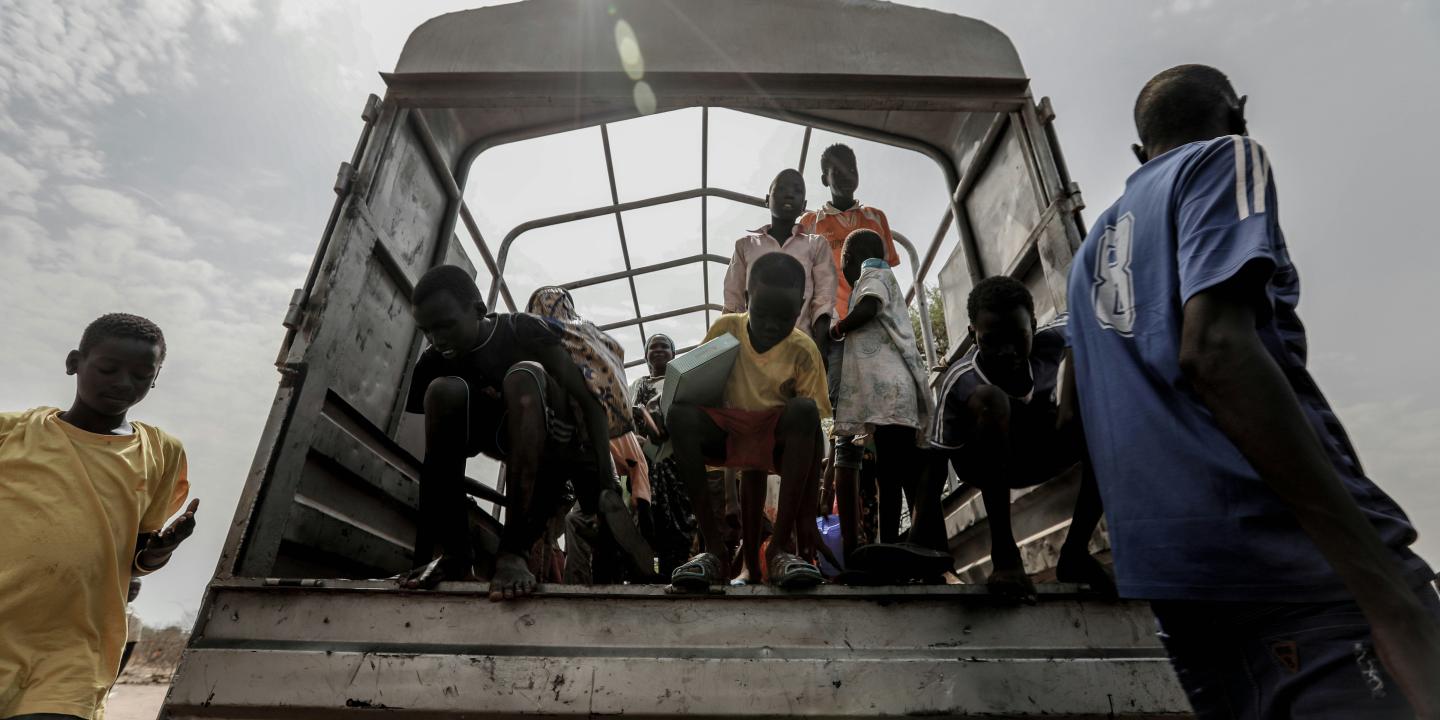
344,178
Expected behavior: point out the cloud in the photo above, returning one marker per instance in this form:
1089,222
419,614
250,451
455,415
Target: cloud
93,222
19,184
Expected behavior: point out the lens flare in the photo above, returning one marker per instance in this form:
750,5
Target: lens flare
644,98
629,48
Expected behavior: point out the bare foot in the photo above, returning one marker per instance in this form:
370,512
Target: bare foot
441,569
1084,569
1011,582
512,578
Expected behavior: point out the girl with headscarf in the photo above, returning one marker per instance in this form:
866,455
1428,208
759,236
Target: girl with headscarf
670,527
601,360
602,363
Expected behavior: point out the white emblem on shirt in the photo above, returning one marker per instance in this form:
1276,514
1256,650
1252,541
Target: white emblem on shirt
1113,292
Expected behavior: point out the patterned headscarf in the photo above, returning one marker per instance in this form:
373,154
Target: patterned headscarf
601,360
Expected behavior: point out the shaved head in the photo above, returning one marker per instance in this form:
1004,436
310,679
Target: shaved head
1184,104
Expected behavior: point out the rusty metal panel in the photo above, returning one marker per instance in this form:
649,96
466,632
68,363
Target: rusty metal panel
752,652
1002,206
336,494
408,201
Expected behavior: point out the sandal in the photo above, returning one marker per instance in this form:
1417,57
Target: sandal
698,574
627,536
901,562
789,572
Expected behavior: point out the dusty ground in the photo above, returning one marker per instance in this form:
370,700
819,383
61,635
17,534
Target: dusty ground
135,702
142,686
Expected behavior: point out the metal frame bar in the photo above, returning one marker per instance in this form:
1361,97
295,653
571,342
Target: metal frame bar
960,184
705,204
562,218
659,316
644,269
620,222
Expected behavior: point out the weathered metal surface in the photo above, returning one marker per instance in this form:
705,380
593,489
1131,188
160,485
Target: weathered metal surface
706,37
838,652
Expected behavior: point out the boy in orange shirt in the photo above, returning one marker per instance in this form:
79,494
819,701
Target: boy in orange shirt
834,222
65,572
844,215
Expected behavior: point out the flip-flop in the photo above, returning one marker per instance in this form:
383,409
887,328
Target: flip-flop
627,536
900,561
789,572
698,574
426,577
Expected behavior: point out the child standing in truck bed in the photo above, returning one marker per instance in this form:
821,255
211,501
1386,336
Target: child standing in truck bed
786,200
883,393
84,494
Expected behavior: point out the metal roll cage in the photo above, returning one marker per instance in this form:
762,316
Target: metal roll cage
496,264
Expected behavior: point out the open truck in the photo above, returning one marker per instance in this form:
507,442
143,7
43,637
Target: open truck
289,627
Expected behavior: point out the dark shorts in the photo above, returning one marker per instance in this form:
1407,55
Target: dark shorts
487,433
847,454
1257,661
1037,451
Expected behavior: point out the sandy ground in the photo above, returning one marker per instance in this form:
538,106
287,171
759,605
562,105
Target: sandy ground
135,702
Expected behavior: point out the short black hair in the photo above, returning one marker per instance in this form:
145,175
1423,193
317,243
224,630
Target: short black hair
659,336
783,172
448,278
837,153
121,325
1178,102
864,244
999,294
777,270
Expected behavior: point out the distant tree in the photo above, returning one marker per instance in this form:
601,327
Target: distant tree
937,323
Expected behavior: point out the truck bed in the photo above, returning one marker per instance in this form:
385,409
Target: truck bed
835,652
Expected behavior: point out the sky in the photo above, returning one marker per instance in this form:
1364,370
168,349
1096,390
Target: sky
174,159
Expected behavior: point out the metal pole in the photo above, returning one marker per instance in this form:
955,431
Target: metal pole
705,205
620,223
921,302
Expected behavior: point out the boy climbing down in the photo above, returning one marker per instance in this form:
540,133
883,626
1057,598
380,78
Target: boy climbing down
84,495
1000,426
770,420
505,385
786,200
883,392
1266,542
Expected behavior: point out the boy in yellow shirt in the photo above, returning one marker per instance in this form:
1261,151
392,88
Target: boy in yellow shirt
770,420
83,501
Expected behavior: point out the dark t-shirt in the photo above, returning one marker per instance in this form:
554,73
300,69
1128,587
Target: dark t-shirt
515,337
949,429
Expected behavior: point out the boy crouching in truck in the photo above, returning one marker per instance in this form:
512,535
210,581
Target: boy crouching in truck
504,385
84,495
1000,425
770,419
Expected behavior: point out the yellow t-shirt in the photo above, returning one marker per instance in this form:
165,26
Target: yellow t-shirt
764,381
71,505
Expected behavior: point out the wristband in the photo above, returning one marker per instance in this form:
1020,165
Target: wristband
835,333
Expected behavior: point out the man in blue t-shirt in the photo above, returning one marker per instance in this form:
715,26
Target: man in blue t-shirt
1280,575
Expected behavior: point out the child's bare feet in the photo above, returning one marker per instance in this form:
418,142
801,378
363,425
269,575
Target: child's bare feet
512,578
1007,575
1083,568
1011,582
441,569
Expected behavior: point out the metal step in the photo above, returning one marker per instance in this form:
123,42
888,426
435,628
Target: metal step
836,652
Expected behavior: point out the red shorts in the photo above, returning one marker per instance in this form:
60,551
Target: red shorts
749,437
